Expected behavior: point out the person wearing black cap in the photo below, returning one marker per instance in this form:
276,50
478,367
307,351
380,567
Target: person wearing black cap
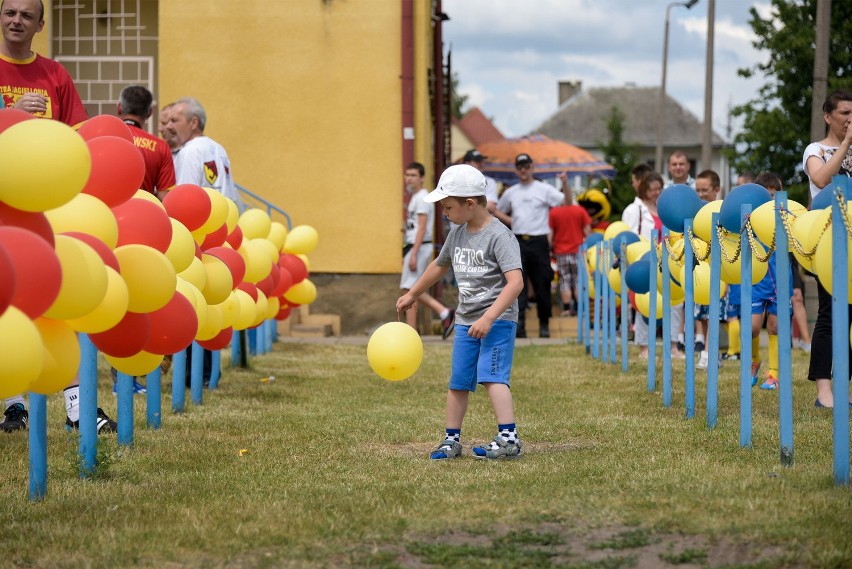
527,204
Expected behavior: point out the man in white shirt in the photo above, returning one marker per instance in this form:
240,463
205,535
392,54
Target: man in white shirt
527,205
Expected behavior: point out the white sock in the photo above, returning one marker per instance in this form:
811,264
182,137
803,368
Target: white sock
680,338
72,402
699,338
444,313
16,399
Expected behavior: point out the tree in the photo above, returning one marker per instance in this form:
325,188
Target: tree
776,124
458,100
622,157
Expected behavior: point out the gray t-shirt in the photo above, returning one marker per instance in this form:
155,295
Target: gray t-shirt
479,261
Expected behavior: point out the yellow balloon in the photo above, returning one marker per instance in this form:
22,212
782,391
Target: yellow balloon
21,351
255,223
149,276
85,214
181,250
701,286
274,305
305,260
233,217
634,251
44,165
304,292
195,274
643,304
731,272
148,196
230,308
807,230
218,213
301,240
592,258
395,351
61,356
248,310
268,247
195,298
277,235
262,307
763,219
591,288
220,281
614,229
212,324
614,278
110,311
84,280
677,294
823,261
256,256
702,223
142,363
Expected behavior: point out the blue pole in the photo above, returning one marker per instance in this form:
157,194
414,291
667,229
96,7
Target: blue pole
153,398
605,294
235,349
125,409
652,317
587,309
597,324
785,364
625,325
261,339
270,333
88,377
38,446
581,269
689,319
613,340
252,341
667,323
712,345
179,381
216,371
840,336
196,374
745,334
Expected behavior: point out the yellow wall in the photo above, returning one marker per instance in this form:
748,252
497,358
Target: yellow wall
305,97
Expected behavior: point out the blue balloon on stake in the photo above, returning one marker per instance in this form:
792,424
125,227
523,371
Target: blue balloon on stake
625,237
638,276
676,204
823,199
729,213
593,238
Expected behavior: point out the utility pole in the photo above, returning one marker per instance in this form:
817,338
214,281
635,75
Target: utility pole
707,129
820,88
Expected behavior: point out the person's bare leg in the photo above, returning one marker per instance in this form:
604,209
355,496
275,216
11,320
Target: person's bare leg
824,393
456,407
431,303
501,401
801,316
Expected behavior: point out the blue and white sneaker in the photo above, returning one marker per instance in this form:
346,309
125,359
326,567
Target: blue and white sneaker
498,449
138,388
447,450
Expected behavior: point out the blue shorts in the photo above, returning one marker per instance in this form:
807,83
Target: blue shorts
733,311
488,360
702,311
770,305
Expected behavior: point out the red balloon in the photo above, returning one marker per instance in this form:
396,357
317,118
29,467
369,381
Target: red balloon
215,239
34,221
188,204
248,288
173,327
101,248
235,237
105,125
270,283
142,222
38,273
117,170
126,338
295,266
8,282
285,281
219,342
283,312
10,117
234,260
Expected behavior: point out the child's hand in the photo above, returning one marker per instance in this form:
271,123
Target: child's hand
405,302
480,328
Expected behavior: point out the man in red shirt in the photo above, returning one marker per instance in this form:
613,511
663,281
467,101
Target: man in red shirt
135,105
569,226
28,81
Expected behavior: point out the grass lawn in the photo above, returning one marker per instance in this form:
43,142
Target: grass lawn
327,466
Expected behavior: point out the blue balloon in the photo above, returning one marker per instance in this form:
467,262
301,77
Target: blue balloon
592,239
729,213
823,199
626,238
638,276
676,204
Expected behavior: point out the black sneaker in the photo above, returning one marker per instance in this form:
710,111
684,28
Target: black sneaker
16,417
726,356
105,424
681,346
544,332
448,324
699,347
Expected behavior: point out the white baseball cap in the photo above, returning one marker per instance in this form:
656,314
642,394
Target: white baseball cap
459,181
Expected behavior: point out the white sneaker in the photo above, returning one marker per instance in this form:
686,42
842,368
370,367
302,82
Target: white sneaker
702,360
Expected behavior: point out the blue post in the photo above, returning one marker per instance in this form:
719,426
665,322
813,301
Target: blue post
216,371
153,398
625,325
587,309
125,409
38,446
270,334
745,334
581,292
785,364
597,325
88,377
712,345
689,318
179,381
261,339
252,341
196,375
667,322
605,294
235,349
652,317
840,336
613,340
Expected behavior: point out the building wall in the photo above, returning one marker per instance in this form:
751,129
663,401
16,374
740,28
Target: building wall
305,96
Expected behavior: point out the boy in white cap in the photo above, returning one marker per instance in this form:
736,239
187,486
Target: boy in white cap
486,260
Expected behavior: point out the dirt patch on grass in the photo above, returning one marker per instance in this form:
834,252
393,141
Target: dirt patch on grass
424,448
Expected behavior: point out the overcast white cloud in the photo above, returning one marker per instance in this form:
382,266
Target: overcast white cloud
510,55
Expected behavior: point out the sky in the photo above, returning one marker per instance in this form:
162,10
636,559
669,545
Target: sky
510,55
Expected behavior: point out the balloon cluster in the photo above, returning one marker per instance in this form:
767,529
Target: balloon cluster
82,249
